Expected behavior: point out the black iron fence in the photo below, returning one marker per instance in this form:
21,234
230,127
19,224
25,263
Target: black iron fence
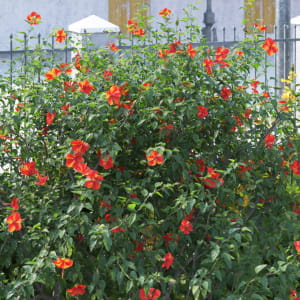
23,47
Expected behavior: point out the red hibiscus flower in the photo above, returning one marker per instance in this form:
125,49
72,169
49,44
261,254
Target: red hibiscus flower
168,237
28,169
165,12
270,46
269,140
191,51
297,246
202,112
168,261
78,289
107,74
153,294
221,54
85,87
63,263
112,47
186,226
50,117
73,159
295,167
208,64
139,32
14,222
79,146
60,35
107,162
155,158
93,184
113,95
41,179
14,203
118,229
225,93
82,168
131,25
34,18
260,27
53,74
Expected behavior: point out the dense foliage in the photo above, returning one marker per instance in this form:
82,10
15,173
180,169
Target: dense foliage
162,171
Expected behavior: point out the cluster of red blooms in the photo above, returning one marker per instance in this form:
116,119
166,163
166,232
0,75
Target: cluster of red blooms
153,294
154,158
132,27
220,56
60,35
173,49
75,160
293,295
269,140
34,18
14,221
114,95
29,169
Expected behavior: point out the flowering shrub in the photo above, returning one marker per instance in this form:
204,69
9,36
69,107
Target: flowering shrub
168,173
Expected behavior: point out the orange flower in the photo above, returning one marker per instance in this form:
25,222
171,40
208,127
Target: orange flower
186,226
113,95
139,32
165,12
191,51
60,35
82,168
131,25
50,117
270,46
93,184
153,294
78,289
53,74
14,222
70,86
112,47
168,261
33,18
94,175
28,168
63,263
221,54
107,162
79,146
260,27
73,159
107,74
154,158
85,87
65,68
41,179
14,203
208,64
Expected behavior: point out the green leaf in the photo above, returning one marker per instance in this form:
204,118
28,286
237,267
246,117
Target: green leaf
259,268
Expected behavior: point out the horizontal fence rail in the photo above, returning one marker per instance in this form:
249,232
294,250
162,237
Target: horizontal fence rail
23,47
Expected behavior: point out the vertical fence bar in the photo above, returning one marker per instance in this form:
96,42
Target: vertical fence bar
39,69
52,48
25,53
275,63
66,49
265,61
11,60
234,33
